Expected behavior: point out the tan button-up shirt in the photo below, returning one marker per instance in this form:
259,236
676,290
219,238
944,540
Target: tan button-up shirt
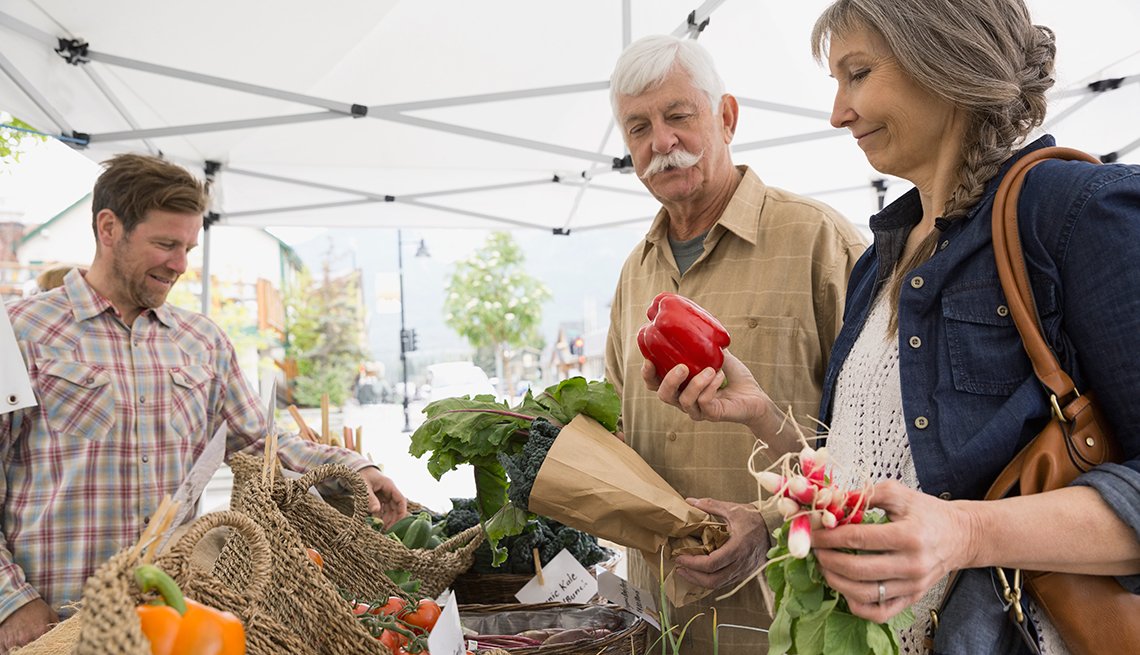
774,272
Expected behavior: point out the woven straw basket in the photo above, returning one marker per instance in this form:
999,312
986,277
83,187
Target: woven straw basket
108,622
350,547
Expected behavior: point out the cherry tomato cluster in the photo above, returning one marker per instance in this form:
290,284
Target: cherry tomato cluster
401,627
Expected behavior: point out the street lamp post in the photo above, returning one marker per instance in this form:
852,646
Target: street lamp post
405,341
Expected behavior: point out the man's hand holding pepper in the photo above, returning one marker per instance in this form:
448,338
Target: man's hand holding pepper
742,555
741,400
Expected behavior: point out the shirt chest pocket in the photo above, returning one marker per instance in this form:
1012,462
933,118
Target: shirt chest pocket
77,399
189,393
986,353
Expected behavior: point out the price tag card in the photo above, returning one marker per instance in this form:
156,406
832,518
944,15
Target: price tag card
620,592
446,637
15,387
564,580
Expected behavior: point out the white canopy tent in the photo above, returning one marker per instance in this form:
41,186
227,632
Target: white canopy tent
447,113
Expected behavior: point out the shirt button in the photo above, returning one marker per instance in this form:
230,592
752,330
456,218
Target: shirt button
915,342
1003,310
146,458
943,245
672,436
146,520
751,322
142,399
90,380
916,282
945,495
921,422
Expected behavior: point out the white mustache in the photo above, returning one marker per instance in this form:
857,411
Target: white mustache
675,159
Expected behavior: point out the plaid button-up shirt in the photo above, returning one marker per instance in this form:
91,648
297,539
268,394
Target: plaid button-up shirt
124,412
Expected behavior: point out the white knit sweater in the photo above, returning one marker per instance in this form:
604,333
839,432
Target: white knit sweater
868,440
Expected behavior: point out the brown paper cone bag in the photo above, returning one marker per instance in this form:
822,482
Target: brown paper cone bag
593,482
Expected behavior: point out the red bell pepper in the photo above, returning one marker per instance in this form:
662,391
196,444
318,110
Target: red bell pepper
680,331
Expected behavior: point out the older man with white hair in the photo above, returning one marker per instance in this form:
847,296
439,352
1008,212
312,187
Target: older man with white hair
771,265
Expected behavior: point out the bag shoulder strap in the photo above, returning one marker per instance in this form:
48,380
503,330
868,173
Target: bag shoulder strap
1011,268
1019,295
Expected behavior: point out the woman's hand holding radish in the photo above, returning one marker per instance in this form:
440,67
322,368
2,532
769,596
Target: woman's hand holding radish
925,539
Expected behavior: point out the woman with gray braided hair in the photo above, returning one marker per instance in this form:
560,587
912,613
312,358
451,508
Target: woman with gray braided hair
929,389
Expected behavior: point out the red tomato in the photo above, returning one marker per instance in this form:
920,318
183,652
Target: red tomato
316,557
392,607
424,616
392,640
360,608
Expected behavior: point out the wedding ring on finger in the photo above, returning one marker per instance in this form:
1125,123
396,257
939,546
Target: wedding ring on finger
882,592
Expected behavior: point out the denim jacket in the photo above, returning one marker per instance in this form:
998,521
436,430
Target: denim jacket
970,398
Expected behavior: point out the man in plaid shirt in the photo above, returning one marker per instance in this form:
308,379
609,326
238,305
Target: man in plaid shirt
130,390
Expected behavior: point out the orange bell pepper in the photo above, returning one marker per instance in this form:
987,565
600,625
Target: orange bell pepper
183,626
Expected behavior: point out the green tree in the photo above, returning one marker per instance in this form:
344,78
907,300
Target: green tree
11,139
493,301
323,320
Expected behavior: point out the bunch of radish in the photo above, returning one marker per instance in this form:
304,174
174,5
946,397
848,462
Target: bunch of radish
806,495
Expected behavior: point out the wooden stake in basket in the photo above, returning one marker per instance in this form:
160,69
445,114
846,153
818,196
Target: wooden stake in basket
302,428
158,524
269,469
348,438
359,438
538,568
326,438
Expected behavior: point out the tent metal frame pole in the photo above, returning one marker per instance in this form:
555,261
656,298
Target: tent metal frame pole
626,23
613,224
474,189
1092,89
30,90
17,25
206,251
603,187
491,136
97,80
378,197
473,214
343,108
299,208
787,140
179,130
522,94
381,197
782,108
1128,148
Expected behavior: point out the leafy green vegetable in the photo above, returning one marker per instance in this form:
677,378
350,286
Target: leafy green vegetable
477,430
812,619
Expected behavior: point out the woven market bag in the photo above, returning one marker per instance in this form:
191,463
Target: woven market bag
264,634
302,597
350,547
108,622
630,637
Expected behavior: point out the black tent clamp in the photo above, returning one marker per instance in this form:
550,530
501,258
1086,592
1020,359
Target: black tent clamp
693,22
73,51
